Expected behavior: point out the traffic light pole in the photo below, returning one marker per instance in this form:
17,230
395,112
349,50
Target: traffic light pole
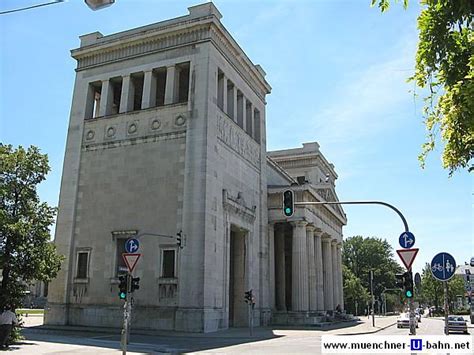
405,224
411,304
127,316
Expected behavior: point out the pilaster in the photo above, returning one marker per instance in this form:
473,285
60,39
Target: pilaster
335,273
149,90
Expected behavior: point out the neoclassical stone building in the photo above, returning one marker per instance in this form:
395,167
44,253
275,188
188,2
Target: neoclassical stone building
167,134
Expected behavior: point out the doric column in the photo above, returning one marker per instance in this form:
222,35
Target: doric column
299,269
171,85
128,93
339,265
149,90
280,281
224,94
106,98
271,263
327,274
311,268
335,273
318,257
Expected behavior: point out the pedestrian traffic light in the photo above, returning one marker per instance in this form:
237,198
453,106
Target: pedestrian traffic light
408,284
123,287
400,280
135,284
288,203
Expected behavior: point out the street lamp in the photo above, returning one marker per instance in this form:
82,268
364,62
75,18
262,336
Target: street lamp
98,4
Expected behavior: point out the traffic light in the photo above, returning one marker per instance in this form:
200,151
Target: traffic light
408,284
135,284
179,239
400,280
248,297
288,204
123,287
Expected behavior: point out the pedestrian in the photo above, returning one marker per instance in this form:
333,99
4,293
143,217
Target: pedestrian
7,321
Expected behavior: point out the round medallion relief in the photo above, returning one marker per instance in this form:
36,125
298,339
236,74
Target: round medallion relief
90,135
180,120
132,128
155,124
110,132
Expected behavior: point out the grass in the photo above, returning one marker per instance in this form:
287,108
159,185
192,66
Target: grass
29,311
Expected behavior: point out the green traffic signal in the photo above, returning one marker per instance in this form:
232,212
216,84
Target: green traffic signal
409,294
288,203
122,295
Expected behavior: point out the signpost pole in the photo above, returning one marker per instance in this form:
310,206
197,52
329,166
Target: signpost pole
124,334
373,297
446,332
129,308
411,304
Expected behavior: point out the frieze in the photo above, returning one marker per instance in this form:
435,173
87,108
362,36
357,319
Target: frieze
236,139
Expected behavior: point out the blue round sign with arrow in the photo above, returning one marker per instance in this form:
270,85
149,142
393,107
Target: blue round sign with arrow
406,240
443,266
132,245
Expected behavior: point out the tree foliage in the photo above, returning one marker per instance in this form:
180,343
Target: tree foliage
361,255
26,252
445,67
432,290
355,295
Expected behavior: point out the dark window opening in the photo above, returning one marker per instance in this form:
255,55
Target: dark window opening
240,109
121,267
137,82
220,89
160,86
46,289
168,263
256,125
116,87
82,261
93,100
183,82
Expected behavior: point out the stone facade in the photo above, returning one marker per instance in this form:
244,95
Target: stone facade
167,134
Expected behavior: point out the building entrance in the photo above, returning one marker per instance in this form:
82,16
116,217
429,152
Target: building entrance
237,281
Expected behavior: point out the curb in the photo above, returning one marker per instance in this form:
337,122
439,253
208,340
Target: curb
373,331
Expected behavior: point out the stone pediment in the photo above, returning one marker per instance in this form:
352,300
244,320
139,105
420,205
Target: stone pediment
328,193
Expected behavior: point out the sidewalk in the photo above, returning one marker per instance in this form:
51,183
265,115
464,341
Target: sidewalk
363,326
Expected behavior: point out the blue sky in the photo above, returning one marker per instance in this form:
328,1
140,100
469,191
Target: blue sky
338,71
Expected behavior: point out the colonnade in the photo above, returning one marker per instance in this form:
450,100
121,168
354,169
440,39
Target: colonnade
316,269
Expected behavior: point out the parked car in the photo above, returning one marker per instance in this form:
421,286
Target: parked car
457,324
404,321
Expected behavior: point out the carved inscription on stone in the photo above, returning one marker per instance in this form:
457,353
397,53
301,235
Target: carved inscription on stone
237,140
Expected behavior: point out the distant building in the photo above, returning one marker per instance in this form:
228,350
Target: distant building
167,133
466,272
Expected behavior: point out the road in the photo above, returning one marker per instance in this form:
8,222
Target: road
265,341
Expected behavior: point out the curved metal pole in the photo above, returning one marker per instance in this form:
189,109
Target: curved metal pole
359,203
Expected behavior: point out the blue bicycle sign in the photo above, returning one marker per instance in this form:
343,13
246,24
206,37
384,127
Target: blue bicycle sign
443,266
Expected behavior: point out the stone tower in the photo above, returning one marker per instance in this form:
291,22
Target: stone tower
166,134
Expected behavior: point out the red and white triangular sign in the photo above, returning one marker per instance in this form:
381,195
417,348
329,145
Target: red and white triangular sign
131,260
407,256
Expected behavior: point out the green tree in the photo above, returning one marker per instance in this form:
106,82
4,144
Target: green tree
361,255
445,69
432,290
26,252
355,295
